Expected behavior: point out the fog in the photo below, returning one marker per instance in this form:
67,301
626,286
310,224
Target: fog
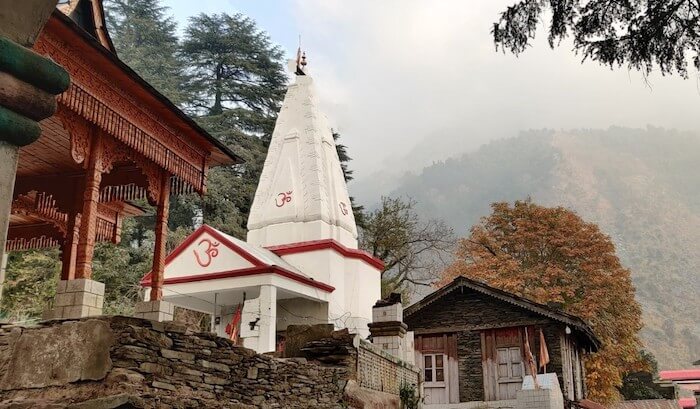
410,82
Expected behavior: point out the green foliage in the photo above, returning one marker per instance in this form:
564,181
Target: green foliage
637,385
232,64
409,396
120,268
144,36
30,284
640,34
236,82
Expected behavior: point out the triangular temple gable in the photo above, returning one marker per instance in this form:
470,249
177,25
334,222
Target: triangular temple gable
207,251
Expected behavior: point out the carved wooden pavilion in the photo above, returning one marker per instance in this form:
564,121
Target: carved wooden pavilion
114,139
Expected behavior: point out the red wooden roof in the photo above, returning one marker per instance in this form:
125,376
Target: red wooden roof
94,53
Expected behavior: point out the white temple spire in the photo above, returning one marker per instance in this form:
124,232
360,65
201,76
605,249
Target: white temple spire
302,195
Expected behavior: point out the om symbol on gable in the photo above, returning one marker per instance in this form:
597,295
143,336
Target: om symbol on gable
210,252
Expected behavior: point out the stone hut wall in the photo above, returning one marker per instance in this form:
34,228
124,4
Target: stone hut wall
152,364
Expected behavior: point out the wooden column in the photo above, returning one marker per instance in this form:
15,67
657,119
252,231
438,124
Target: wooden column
88,219
69,251
161,230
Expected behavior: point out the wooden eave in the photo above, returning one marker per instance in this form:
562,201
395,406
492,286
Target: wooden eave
93,52
574,322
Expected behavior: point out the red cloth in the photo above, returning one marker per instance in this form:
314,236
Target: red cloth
544,353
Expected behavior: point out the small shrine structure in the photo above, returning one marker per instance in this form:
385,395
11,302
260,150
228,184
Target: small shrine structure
114,139
300,263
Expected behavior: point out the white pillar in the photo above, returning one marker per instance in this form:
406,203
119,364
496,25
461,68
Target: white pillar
268,318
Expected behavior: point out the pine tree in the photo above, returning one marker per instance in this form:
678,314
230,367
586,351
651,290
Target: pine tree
145,39
235,85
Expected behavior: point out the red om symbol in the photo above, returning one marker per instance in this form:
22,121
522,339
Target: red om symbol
343,208
283,198
210,252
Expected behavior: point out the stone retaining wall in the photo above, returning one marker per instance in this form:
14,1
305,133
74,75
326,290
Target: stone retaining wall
145,364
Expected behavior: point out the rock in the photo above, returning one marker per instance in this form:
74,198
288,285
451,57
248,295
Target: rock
214,365
182,356
252,373
163,385
59,355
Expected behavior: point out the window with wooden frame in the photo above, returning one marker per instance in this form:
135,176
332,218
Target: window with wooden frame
434,369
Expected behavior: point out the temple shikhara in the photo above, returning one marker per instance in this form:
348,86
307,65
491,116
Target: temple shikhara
114,139
300,263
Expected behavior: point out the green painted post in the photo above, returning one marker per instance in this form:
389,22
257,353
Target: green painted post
28,85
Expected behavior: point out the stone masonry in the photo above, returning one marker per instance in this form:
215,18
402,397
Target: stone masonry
152,365
126,362
77,299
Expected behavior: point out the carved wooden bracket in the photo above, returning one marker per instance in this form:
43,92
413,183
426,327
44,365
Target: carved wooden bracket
79,132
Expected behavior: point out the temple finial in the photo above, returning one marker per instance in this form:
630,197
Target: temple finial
301,60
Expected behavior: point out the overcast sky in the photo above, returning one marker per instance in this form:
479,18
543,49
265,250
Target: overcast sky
410,82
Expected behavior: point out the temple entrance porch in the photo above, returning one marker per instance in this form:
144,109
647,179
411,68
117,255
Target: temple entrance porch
261,305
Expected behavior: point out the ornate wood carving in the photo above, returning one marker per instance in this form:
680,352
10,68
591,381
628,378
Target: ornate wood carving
41,206
37,236
79,132
19,244
113,152
119,114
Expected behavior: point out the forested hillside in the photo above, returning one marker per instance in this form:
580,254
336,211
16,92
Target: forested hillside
642,186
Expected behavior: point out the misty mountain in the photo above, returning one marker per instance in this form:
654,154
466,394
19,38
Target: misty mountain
642,186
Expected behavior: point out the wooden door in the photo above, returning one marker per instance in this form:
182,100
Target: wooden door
502,363
436,355
509,373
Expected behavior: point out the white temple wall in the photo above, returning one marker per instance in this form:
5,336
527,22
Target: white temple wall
300,311
363,289
298,232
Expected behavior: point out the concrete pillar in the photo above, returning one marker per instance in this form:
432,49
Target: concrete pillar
268,319
388,330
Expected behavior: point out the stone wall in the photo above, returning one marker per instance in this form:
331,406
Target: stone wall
377,370
471,378
145,364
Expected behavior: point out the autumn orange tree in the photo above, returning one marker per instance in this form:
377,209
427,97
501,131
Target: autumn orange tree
552,255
